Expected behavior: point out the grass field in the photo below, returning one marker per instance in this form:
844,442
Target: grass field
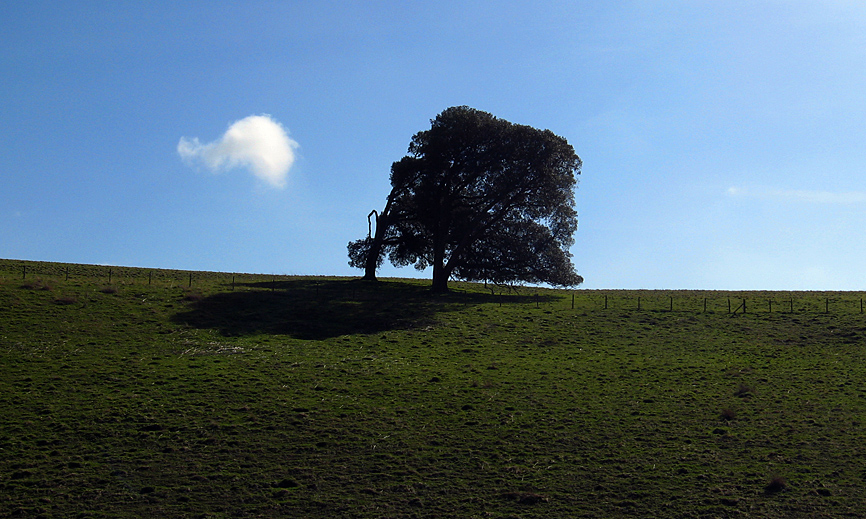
160,394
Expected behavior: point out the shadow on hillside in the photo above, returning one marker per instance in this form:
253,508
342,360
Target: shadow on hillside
318,309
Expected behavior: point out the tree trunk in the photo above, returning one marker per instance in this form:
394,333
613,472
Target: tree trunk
370,268
440,279
372,262
441,270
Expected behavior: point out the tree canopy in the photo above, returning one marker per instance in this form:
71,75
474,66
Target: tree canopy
481,199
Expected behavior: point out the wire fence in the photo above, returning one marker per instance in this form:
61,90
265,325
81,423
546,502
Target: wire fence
113,275
680,301
732,303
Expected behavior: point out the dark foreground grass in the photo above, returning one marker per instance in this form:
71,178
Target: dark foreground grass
334,398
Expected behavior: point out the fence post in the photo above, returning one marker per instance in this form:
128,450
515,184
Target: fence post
827,306
150,277
770,301
792,305
605,301
190,280
705,305
672,303
233,282
109,276
729,305
638,303
572,300
24,274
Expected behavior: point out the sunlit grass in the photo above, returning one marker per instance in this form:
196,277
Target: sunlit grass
327,397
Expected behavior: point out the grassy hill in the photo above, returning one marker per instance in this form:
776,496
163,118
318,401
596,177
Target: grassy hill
133,392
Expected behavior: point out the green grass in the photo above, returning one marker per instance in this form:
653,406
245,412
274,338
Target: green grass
327,397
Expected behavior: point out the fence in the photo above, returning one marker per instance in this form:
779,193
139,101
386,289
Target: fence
683,301
32,270
732,303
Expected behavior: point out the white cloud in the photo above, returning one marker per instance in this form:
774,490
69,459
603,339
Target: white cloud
802,195
257,143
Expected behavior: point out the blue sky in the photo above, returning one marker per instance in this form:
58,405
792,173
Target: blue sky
723,142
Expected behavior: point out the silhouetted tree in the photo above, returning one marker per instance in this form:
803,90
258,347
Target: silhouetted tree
481,199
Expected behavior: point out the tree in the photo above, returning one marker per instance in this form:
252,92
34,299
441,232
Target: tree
481,199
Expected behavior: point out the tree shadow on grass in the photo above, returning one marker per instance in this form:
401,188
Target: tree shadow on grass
313,309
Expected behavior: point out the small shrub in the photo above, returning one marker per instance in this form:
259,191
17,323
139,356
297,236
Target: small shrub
744,390
192,296
525,498
108,289
286,483
66,300
776,484
728,414
38,284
